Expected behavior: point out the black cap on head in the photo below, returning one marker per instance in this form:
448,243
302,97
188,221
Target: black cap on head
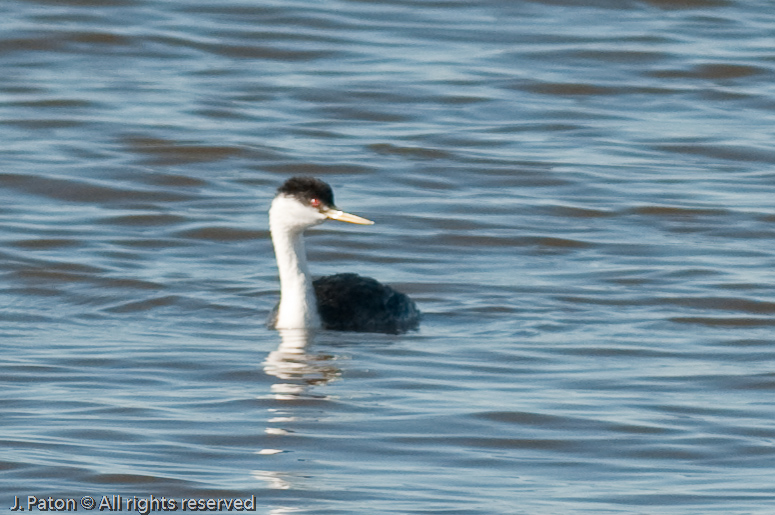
307,188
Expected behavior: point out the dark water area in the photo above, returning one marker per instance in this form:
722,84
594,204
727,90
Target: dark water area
578,195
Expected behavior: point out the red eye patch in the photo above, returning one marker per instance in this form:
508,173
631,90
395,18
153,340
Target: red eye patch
314,202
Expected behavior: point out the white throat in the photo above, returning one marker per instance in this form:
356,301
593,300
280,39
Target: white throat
287,221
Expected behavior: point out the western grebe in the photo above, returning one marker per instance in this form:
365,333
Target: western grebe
342,302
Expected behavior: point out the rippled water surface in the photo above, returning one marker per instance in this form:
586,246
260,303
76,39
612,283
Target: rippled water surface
578,195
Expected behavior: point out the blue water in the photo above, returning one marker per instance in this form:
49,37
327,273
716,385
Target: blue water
578,196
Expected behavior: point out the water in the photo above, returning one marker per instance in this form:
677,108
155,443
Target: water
578,195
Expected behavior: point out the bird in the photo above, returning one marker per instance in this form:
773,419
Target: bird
341,302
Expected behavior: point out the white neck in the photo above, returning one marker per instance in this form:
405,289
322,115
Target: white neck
298,307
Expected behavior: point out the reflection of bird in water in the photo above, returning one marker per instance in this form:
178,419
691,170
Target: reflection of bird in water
290,362
342,302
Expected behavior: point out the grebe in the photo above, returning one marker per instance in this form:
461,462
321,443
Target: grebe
342,302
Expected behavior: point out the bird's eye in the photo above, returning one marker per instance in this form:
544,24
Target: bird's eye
314,202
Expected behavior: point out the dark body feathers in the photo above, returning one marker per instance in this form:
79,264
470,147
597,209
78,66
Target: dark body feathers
349,302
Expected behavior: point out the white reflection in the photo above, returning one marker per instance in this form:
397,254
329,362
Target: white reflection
297,372
290,362
284,510
269,451
274,480
275,431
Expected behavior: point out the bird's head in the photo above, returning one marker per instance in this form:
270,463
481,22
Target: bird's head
303,202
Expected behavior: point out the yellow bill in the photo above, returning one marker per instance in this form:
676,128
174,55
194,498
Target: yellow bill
335,214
